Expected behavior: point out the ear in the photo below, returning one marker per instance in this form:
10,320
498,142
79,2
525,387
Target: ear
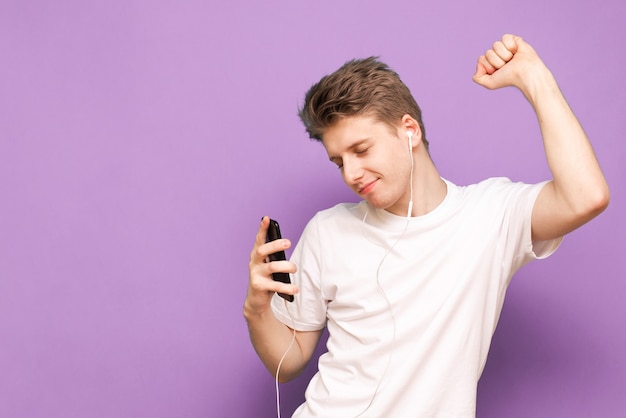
408,124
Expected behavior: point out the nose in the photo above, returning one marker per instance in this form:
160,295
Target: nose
352,171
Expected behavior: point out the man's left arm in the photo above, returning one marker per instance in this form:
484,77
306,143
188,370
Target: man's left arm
578,191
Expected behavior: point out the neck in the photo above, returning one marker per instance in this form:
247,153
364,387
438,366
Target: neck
429,190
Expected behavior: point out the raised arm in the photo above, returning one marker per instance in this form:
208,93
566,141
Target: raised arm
269,336
578,191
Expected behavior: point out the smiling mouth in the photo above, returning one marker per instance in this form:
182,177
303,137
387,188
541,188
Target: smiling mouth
367,188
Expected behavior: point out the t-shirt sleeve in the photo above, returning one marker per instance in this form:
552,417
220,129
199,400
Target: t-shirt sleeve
308,310
522,202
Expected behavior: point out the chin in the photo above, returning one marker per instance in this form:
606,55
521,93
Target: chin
378,204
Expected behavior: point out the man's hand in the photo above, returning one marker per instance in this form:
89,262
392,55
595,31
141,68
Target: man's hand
261,286
268,335
509,62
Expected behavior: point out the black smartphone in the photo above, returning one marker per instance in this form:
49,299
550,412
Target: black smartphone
273,233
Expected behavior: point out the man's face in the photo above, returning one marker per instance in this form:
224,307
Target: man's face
374,160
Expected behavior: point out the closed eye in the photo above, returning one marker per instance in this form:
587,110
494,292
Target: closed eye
359,149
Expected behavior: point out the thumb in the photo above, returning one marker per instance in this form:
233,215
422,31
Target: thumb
481,75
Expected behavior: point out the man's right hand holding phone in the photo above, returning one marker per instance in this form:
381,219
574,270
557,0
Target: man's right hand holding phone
262,286
269,336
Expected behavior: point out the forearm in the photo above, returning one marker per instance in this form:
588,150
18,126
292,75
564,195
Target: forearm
571,159
270,339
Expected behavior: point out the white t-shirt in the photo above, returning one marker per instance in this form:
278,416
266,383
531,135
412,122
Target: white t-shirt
410,306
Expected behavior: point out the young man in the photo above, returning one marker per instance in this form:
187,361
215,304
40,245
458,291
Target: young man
410,281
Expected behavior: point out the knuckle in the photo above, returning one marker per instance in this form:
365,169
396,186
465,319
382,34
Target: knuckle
259,253
256,284
274,267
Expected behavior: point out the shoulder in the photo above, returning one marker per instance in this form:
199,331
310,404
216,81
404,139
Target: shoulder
500,186
339,212
499,194
492,184
339,218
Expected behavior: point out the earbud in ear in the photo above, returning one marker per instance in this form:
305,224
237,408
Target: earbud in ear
410,135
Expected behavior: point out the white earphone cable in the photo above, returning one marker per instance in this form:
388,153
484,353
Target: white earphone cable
293,340
380,287
410,208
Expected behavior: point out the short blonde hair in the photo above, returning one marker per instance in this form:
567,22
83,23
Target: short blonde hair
360,87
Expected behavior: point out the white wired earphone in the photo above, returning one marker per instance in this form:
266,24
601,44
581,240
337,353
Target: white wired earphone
410,209
408,218
382,290
293,339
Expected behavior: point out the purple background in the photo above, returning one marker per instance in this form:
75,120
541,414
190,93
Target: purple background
142,141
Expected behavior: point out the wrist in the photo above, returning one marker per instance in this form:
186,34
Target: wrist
252,313
539,84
